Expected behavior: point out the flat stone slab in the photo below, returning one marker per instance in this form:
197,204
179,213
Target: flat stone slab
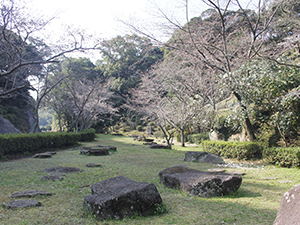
199,183
30,194
22,204
217,170
52,177
203,157
62,170
92,165
158,146
42,155
95,152
120,196
109,147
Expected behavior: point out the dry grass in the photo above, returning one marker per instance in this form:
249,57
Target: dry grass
256,202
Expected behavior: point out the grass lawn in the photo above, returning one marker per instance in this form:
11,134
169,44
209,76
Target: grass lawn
256,201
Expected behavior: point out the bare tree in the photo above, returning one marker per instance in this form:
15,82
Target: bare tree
227,35
23,53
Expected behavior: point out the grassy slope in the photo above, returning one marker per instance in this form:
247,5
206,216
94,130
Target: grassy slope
256,202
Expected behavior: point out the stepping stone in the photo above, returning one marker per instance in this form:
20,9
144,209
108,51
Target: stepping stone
109,147
120,196
199,183
29,193
92,165
52,177
158,146
51,153
42,155
62,170
22,204
95,152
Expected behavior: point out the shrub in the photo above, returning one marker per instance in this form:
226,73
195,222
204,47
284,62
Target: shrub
285,157
20,143
139,127
87,135
197,138
237,150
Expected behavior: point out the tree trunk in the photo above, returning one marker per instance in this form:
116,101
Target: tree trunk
182,138
248,125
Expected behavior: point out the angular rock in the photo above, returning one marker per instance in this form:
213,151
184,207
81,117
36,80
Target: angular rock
42,155
30,194
92,165
203,157
22,204
288,212
51,153
6,127
52,177
158,146
120,196
200,183
95,152
62,170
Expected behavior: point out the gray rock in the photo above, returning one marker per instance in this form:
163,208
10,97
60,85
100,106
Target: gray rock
203,157
62,170
6,127
120,196
95,152
288,212
30,194
108,147
200,183
158,146
42,155
52,177
22,204
92,165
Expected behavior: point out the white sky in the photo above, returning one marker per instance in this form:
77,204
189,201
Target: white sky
100,16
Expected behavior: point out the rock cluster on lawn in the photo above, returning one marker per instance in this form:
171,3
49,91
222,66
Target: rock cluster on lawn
288,212
25,202
57,173
199,183
98,150
120,196
203,157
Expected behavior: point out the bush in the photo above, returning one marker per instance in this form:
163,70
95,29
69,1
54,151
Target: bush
139,127
20,143
87,135
236,150
285,157
197,138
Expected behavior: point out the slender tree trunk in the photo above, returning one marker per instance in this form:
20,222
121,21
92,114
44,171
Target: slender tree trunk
182,137
248,125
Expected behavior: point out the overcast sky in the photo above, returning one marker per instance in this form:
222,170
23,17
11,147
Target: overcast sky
100,16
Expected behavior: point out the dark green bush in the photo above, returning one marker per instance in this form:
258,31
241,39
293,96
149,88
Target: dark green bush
284,157
197,138
87,135
20,143
236,150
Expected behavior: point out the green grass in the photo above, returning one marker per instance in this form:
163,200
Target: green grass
256,202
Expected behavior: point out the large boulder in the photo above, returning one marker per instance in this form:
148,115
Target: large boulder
6,127
288,212
200,183
203,157
120,196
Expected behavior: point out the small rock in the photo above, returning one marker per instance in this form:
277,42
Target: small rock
29,193
42,155
22,204
62,170
92,165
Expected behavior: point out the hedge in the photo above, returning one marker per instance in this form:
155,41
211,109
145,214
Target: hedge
87,135
20,143
237,150
284,157
197,138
